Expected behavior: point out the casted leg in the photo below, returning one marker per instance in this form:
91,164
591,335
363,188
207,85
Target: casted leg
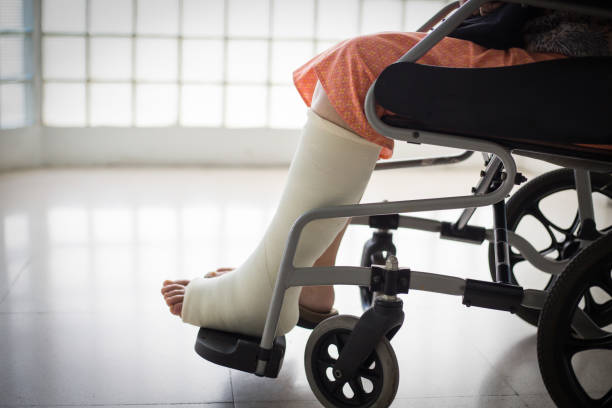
316,298
331,167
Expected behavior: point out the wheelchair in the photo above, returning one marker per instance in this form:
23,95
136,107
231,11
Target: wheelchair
349,361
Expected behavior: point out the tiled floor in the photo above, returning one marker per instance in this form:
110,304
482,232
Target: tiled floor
82,323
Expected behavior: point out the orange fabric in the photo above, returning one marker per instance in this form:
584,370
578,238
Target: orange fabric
602,147
346,71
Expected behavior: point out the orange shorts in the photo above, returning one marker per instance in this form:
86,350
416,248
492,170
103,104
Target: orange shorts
347,70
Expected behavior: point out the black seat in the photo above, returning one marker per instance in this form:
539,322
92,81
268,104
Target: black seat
555,106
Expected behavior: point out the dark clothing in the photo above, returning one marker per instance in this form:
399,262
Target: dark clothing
539,30
500,29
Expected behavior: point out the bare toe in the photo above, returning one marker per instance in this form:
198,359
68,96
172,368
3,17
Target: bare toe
172,300
176,309
174,293
170,288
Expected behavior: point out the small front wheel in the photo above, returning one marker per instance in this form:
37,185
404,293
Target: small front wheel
376,381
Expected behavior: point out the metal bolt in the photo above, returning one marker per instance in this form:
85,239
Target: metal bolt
519,179
392,263
337,373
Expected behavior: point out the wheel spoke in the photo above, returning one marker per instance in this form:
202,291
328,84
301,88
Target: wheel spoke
340,342
326,361
576,345
603,314
552,248
369,374
358,390
589,303
336,388
539,215
585,326
606,282
575,224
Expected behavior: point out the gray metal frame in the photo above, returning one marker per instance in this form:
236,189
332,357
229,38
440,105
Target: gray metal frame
290,276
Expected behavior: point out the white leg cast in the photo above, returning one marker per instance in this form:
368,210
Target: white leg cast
331,166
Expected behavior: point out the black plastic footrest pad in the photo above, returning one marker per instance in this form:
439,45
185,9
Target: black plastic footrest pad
238,351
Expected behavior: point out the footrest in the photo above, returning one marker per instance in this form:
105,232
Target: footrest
238,351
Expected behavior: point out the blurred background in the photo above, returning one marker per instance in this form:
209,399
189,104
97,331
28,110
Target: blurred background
168,81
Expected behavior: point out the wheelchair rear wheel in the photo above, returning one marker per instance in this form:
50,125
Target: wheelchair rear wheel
376,382
556,234
575,331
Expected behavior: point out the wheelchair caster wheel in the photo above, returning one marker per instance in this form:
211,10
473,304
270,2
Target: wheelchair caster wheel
557,237
377,380
575,332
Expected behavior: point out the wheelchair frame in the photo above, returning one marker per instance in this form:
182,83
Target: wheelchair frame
501,172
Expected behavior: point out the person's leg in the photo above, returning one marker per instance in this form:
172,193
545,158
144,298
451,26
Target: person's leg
331,167
316,298
323,107
321,298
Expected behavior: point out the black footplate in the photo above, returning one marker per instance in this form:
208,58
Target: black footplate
238,351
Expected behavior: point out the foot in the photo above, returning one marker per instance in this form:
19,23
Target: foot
174,293
316,298
319,299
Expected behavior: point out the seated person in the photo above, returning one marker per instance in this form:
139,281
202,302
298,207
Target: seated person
336,155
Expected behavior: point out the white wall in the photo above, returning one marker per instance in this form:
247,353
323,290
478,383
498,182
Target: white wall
44,147
67,147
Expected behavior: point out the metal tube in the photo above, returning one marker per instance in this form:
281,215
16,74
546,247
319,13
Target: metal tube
337,275
482,186
442,31
502,252
532,255
429,24
421,224
585,197
431,161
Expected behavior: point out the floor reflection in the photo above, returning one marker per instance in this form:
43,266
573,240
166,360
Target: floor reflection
83,254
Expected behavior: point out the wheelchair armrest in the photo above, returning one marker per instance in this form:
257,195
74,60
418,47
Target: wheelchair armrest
439,16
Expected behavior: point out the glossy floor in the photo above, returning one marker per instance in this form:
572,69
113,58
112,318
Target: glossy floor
82,322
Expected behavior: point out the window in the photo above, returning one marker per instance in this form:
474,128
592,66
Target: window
16,65
212,63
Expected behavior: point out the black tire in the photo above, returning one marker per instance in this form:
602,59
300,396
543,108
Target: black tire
524,201
381,369
558,342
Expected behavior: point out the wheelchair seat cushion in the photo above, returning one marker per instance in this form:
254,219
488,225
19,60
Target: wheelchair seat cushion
559,104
